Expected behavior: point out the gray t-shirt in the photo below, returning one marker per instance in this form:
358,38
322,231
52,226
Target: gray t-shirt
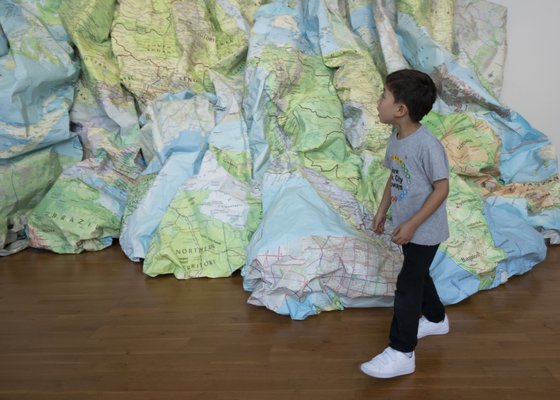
415,162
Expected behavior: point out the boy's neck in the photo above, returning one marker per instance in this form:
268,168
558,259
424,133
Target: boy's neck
406,128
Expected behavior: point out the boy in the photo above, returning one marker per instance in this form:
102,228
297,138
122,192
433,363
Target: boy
416,190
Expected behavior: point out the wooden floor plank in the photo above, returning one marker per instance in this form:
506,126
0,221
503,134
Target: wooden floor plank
93,326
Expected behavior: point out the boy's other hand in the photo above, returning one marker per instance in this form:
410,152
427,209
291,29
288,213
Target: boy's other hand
379,224
403,233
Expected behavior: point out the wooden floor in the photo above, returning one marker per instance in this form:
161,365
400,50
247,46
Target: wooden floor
93,326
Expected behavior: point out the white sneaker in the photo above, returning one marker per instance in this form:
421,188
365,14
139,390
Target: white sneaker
427,328
389,364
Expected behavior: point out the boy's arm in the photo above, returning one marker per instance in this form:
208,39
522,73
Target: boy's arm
381,214
405,231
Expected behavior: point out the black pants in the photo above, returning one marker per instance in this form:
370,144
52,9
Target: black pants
416,295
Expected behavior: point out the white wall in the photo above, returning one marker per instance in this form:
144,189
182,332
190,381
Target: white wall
532,70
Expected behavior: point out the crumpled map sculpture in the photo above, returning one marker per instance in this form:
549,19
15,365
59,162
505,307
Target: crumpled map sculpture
212,136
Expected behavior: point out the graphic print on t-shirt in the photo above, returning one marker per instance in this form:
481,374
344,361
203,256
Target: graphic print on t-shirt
400,179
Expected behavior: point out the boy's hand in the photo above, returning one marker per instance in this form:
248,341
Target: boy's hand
379,223
404,233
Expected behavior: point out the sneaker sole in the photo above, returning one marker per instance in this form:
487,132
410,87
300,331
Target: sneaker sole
386,376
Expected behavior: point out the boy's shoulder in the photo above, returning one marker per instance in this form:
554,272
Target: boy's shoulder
428,136
424,130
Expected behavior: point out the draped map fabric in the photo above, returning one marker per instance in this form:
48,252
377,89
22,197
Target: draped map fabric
211,136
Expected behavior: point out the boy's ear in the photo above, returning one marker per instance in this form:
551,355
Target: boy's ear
402,110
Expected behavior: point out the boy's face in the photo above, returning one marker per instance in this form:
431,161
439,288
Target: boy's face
387,108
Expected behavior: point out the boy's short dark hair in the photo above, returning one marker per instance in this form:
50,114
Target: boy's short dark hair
415,89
